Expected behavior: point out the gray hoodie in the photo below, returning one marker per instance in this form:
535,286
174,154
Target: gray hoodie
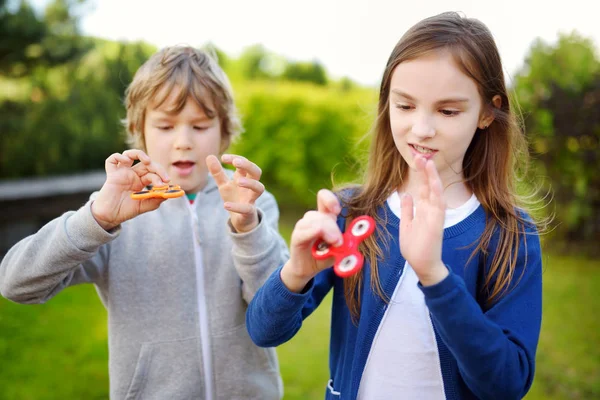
146,276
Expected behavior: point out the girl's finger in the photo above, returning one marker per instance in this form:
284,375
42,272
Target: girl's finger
328,203
436,190
406,216
423,179
328,228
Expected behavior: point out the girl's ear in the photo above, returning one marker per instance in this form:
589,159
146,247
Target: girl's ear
488,116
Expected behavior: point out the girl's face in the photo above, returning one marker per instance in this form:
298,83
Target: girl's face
435,110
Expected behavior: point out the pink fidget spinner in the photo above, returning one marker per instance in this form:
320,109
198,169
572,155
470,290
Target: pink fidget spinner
348,259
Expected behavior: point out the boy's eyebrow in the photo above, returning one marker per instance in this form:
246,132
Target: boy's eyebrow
443,101
164,114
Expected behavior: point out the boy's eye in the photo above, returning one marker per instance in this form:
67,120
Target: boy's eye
450,113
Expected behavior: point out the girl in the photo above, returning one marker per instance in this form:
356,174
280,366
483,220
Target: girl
449,303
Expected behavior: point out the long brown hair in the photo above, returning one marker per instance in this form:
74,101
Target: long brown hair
492,164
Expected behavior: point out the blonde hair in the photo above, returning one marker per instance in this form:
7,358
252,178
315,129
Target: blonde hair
491,164
194,73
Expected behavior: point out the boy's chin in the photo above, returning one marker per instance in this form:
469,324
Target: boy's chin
192,187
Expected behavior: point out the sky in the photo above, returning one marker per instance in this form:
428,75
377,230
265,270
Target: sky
350,37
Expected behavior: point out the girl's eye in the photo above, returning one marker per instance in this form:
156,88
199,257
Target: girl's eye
200,128
449,113
403,107
164,127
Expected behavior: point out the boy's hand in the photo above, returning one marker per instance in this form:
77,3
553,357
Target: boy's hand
421,234
114,204
302,266
239,193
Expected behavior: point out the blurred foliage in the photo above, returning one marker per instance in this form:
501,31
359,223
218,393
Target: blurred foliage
61,98
559,89
29,42
298,134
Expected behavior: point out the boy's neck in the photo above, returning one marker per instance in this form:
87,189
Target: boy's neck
191,197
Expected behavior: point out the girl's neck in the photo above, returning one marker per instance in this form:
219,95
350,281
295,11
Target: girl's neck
456,192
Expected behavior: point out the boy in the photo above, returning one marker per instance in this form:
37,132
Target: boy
175,281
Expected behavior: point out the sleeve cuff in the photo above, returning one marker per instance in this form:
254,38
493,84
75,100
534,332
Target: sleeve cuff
84,231
253,242
443,288
289,297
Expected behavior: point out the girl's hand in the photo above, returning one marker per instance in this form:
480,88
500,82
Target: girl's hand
114,204
302,267
240,193
421,234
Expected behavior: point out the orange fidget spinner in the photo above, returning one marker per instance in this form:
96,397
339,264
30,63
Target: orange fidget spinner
165,192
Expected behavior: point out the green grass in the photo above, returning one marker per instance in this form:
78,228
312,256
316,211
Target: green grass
59,350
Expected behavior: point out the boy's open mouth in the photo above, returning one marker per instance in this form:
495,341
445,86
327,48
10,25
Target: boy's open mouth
184,167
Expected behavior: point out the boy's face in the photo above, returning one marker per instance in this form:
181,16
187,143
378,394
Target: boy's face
181,142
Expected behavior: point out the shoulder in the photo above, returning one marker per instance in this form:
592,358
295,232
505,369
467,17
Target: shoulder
347,193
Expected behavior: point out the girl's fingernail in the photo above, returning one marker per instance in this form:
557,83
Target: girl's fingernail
242,181
237,162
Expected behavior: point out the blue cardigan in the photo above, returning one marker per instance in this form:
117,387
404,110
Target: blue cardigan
486,351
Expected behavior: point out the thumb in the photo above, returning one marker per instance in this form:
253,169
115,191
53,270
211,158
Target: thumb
328,203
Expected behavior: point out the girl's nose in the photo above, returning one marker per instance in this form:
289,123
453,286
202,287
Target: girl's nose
423,127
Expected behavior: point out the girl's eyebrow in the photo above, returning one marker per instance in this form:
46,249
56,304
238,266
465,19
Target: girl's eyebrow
453,100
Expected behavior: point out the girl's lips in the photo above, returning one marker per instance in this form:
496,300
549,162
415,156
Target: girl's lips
184,168
416,153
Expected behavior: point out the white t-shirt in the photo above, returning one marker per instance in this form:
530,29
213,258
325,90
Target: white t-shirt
403,362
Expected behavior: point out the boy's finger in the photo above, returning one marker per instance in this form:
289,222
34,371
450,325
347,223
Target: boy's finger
240,208
247,167
216,170
255,186
114,160
328,203
151,179
150,204
142,169
136,154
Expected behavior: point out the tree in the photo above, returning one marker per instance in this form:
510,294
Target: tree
559,90
28,41
306,72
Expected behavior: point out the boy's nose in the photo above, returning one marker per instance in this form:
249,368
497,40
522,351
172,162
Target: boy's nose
183,139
